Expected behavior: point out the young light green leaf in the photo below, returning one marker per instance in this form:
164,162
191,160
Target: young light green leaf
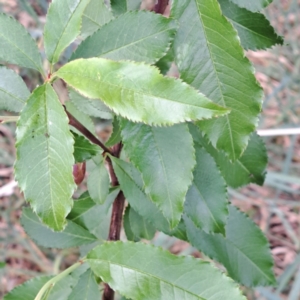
45,160
140,271
115,137
138,92
62,26
207,199
160,151
98,183
238,250
95,15
254,29
17,46
253,5
83,149
223,73
13,91
86,288
120,7
131,41
72,236
90,107
249,168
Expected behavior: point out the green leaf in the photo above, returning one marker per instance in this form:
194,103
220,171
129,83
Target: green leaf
13,90
162,151
131,41
83,149
45,160
90,107
98,183
115,137
214,63
122,6
249,168
95,15
17,46
138,91
63,25
254,30
127,226
207,199
253,5
140,227
165,63
140,271
238,252
95,218
86,288
72,236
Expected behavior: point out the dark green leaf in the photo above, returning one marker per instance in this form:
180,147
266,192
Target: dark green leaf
122,6
115,137
140,271
244,252
127,226
207,199
168,153
17,46
45,157
130,39
165,63
13,91
62,26
214,62
83,149
72,236
253,5
254,30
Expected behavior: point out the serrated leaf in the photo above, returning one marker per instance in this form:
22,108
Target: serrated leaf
115,137
207,199
214,63
13,90
95,218
45,160
140,271
254,29
159,151
17,46
98,183
131,41
127,226
138,91
90,107
86,288
253,5
63,25
249,168
72,236
83,149
238,252
95,15
165,63
122,6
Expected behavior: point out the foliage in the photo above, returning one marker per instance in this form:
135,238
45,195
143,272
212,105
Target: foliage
185,140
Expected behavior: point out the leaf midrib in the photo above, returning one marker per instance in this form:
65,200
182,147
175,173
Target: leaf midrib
13,96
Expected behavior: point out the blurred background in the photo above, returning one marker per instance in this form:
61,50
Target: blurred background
274,207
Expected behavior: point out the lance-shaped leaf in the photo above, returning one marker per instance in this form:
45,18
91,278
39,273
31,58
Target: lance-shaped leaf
140,271
115,137
45,157
254,30
131,41
207,199
86,288
90,107
214,62
63,25
253,5
168,153
138,92
249,168
95,15
122,6
238,250
17,46
13,91
127,226
72,236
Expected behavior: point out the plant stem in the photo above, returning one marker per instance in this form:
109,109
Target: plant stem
116,216
49,284
161,6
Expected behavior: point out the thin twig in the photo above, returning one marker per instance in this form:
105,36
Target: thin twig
161,6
